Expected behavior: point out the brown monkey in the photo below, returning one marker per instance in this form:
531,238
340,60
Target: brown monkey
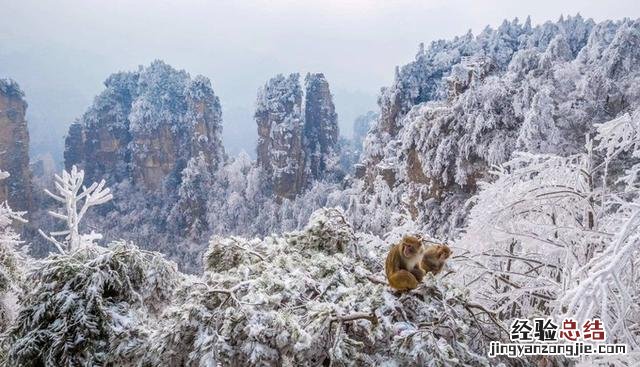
403,264
434,258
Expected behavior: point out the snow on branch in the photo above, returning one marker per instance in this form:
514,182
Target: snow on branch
609,289
76,200
619,134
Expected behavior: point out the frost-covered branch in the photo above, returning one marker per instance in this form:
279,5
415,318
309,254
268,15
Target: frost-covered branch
371,316
76,199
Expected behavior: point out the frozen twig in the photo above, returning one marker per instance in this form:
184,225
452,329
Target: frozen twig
76,203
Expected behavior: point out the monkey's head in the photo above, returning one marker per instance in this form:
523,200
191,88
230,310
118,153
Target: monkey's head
444,252
411,246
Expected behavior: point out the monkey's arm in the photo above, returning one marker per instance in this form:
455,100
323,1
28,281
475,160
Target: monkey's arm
418,273
403,280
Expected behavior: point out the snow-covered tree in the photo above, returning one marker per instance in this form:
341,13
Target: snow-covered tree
539,133
91,306
558,236
188,217
76,199
607,285
13,262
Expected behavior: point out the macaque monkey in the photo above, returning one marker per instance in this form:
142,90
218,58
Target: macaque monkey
434,258
403,264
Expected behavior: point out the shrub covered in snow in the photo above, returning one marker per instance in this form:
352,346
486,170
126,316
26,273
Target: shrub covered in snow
87,307
13,263
312,297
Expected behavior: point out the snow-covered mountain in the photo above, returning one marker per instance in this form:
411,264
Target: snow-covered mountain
466,104
155,136
298,133
145,126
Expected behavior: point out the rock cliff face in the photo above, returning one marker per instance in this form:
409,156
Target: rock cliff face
320,126
14,147
297,132
145,126
280,125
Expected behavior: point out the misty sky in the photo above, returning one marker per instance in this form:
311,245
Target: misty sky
61,51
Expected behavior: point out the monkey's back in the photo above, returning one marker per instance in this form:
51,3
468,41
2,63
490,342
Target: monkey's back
390,266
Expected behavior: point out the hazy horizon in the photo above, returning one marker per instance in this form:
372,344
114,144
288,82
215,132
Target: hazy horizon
61,52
